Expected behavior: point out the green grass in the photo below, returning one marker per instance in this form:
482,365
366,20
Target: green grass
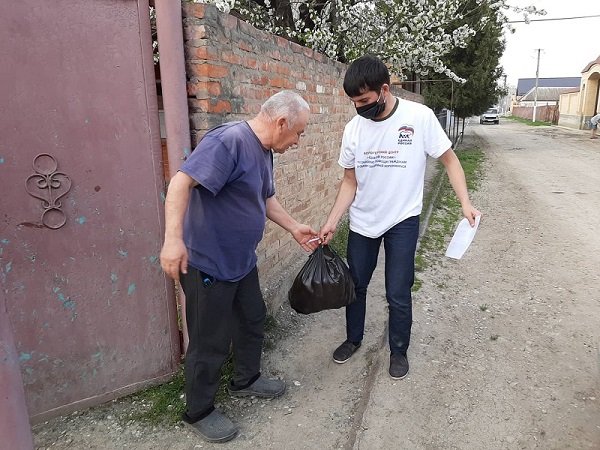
340,238
529,122
159,404
446,211
163,404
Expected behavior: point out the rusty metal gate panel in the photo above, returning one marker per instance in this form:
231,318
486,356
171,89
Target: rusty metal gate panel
81,192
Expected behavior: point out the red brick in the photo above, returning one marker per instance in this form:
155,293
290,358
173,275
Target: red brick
283,42
193,9
204,89
213,88
228,21
243,45
196,89
209,70
231,58
259,80
283,69
251,63
194,32
277,82
205,53
220,107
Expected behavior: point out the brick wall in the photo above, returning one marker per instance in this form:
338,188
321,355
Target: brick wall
542,114
231,69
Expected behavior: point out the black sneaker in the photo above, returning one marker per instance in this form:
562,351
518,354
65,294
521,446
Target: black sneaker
398,366
344,352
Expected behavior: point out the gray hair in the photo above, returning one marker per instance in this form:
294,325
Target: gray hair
286,104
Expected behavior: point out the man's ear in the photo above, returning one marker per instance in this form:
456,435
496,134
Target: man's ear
281,122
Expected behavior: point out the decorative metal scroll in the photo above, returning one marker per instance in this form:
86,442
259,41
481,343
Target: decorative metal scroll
49,186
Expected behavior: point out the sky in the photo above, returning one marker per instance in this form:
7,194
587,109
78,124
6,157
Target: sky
567,45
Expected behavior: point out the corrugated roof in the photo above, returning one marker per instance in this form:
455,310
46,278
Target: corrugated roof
524,85
546,94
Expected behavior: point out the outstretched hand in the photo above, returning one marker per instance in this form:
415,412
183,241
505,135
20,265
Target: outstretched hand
326,233
306,237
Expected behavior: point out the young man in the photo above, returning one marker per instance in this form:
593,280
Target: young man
226,187
384,149
594,126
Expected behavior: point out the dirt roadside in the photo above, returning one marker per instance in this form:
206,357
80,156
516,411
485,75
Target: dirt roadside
505,341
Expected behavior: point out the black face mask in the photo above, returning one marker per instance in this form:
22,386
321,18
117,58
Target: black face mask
371,110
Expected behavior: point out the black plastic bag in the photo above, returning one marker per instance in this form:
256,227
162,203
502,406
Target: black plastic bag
323,283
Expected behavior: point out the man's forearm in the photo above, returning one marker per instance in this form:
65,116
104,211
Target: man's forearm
344,199
176,204
280,216
456,176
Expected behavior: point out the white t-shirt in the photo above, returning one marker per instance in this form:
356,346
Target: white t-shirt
389,160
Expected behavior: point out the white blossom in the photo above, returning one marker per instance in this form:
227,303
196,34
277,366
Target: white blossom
412,35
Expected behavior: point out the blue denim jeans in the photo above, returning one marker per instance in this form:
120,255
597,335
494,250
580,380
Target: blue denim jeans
399,243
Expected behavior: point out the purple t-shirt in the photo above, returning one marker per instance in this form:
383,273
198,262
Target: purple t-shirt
226,215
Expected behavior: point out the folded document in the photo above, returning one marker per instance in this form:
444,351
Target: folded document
463,236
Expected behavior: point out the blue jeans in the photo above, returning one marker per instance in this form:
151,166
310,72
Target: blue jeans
400,243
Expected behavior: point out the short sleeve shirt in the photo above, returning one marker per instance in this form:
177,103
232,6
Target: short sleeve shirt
226,215
389,158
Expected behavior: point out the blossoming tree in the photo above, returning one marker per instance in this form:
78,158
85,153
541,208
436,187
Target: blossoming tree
412,35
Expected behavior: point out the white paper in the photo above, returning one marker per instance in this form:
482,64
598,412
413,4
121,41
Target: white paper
463,236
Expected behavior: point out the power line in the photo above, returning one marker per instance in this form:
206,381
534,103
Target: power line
557,18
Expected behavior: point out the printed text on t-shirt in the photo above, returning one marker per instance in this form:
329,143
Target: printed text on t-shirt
381,158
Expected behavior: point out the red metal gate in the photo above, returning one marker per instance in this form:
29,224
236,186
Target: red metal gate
81,202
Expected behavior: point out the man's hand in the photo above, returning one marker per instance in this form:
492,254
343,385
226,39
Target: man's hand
326,233
470,212
174,258
303,234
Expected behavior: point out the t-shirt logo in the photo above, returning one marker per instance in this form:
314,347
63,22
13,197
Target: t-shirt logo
405,134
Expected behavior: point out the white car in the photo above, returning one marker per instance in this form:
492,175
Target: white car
491,115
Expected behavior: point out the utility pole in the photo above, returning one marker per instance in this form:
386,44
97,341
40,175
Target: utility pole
506,98
537,75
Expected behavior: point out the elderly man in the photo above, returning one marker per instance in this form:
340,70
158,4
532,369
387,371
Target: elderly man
215,210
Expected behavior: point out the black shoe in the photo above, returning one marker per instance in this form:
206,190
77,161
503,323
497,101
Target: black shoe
344,352
398,366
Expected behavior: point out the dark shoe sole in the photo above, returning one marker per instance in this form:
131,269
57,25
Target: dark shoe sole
399,378
342,362
195,430
246,393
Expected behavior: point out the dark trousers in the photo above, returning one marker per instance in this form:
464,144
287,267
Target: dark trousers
400,243
219,315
